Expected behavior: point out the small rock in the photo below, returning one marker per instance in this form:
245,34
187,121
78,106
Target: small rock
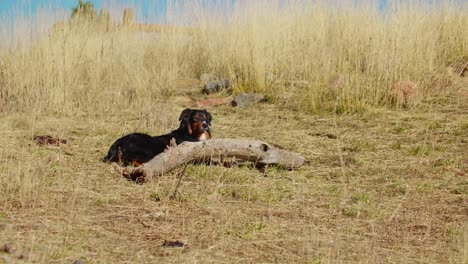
217,86
78,261
176,243
6,249
246,99
211,102
404,91
49,140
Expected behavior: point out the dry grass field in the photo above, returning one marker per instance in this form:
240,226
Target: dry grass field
386,174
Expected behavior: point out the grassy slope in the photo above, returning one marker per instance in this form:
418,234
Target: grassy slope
391,187
398,192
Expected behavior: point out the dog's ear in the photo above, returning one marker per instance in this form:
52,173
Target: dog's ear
185,120
185,114
208,117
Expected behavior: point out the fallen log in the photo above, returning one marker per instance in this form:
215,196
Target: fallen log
258,152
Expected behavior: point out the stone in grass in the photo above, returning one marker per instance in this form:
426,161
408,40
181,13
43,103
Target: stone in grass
246,99
7,249
49,140
405,91
175,243
217,86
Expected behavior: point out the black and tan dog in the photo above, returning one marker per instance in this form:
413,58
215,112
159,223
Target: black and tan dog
138,148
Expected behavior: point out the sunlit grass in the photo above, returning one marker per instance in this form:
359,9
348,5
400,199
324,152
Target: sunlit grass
351,57
384,185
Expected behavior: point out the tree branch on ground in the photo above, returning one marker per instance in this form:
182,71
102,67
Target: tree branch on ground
258,152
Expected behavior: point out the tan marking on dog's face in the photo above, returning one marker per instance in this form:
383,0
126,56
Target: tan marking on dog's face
197,127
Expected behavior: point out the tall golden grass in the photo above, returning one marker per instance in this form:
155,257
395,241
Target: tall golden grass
392,182
82,67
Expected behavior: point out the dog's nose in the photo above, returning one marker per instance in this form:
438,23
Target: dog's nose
205,125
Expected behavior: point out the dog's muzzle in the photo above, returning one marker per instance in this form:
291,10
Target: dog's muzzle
205,125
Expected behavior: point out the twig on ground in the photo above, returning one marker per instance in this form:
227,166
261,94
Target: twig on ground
173,196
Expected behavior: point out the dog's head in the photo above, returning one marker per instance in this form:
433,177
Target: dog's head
196,122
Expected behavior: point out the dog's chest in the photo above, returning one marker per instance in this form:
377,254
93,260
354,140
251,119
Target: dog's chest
203,137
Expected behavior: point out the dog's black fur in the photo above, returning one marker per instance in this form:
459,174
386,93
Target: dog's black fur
138,148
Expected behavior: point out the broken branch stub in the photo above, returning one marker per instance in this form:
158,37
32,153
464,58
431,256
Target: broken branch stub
256,151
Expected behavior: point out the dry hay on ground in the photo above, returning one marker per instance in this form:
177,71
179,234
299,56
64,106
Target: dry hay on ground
389,186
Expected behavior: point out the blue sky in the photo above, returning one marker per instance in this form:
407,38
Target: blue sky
143,8
152,11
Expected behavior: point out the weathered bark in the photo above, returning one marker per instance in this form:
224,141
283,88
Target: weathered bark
256,151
